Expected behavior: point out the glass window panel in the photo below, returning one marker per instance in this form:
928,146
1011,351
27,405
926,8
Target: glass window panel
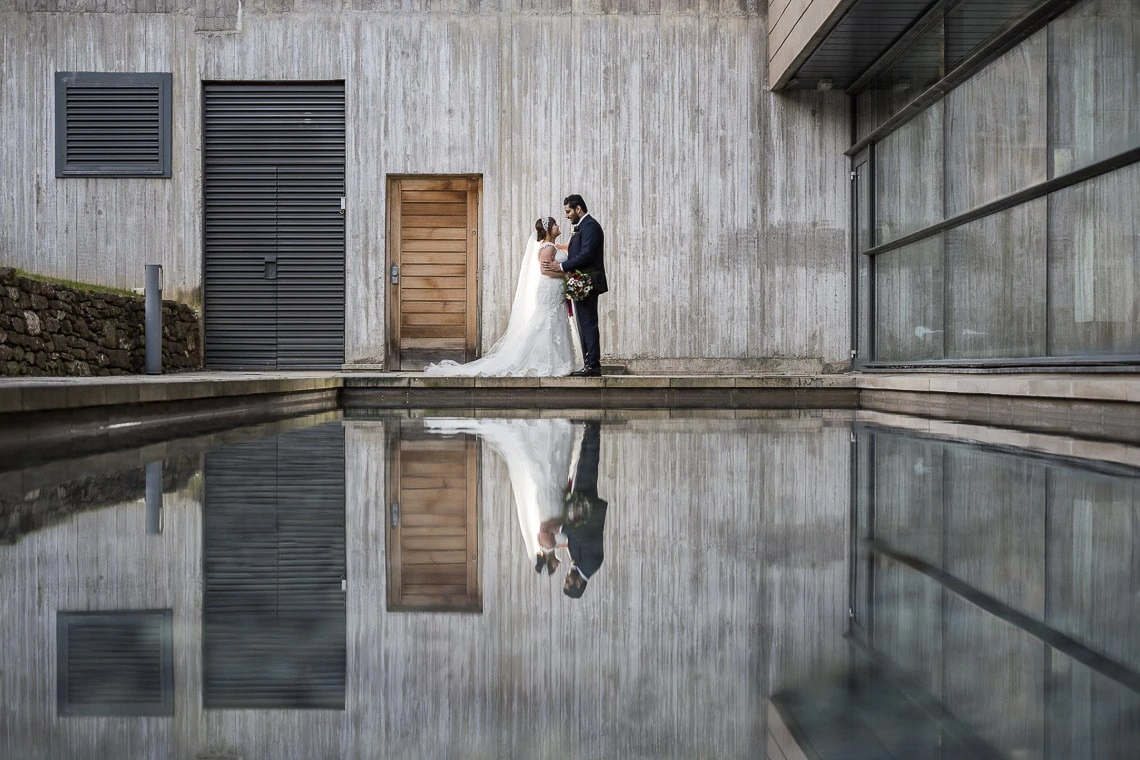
908,177
996,274
995,679
996,127
995,535
1094,266
973,23
1095,83
904,80
1094,536
908,302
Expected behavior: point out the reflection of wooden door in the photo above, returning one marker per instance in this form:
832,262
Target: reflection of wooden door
433,530
433,261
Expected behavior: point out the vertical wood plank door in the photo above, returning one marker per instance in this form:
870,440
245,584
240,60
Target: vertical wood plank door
433,251
433,530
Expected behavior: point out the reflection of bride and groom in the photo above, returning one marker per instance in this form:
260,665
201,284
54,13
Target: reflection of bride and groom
553,467
538,340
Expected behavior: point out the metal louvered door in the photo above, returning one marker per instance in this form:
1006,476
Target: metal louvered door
274,616
274,225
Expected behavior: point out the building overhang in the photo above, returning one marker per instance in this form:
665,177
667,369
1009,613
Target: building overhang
842,44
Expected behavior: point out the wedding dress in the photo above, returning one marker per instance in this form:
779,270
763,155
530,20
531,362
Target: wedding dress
538,456
537,342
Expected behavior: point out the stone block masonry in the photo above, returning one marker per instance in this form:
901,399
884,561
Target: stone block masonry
49,329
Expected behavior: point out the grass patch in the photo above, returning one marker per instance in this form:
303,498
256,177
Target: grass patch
77,285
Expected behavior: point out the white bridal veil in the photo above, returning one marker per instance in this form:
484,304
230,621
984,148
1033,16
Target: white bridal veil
511,353
538,455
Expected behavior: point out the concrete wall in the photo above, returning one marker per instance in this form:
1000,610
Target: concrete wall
724,578
725,206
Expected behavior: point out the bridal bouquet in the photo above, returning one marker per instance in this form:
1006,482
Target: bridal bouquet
578,285
577,508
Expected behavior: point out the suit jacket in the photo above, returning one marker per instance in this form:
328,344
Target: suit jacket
587,252
585,540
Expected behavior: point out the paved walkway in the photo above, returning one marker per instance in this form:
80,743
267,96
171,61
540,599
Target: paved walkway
31,394
1092,407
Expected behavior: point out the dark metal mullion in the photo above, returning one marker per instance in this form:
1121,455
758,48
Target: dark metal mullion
853,184
943,599
1029,23
1046,682
1115,363
1064,643
1018,198
872,503
872,275
945,206
853,542
1050,168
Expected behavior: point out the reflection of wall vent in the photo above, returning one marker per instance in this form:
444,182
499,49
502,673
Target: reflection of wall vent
115,663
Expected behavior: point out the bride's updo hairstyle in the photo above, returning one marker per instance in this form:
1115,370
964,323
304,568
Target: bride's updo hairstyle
543,225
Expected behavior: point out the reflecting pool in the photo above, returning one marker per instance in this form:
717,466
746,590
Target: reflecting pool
765,584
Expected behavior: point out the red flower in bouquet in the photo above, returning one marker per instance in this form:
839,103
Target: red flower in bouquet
578,285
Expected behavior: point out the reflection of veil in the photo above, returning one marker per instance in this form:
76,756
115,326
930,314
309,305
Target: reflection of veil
508,350
537,455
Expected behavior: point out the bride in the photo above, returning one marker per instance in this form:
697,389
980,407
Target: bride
538,454
537,342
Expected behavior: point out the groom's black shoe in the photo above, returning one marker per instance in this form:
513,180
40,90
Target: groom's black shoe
587,372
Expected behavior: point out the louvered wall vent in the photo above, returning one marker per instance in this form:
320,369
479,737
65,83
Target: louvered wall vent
115,663
112,125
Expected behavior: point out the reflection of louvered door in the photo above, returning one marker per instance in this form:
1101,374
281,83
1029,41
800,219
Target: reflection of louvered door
433,262
433,538
274,617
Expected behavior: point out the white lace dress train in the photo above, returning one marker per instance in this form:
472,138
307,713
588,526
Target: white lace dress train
537,342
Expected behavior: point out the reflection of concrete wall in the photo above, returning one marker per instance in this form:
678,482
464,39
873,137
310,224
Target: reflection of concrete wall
724,576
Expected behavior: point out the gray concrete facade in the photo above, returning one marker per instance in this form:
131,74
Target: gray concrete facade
725,205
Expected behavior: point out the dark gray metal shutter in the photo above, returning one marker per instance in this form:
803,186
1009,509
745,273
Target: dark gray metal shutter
274,247
115,663
112,124
274,625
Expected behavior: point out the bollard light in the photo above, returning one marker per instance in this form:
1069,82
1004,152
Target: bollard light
153,296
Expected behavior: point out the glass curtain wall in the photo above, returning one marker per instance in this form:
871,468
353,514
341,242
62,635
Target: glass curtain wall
1006,215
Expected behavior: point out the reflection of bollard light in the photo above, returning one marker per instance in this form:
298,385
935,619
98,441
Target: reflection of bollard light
154,497
966,331
922,331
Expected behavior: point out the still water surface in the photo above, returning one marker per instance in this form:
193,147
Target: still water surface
370,587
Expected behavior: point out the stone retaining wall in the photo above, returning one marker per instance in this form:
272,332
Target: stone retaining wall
47,329
24,513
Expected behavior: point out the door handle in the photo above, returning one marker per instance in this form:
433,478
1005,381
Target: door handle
271,267
395,274
395,511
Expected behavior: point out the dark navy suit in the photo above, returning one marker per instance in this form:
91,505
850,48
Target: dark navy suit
587,253
585,540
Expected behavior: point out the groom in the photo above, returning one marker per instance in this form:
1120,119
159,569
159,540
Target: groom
587,254
585,517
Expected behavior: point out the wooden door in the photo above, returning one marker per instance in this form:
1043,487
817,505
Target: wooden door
433,529
432,270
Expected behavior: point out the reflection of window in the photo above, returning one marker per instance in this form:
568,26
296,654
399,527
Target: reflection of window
112,125
115,663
